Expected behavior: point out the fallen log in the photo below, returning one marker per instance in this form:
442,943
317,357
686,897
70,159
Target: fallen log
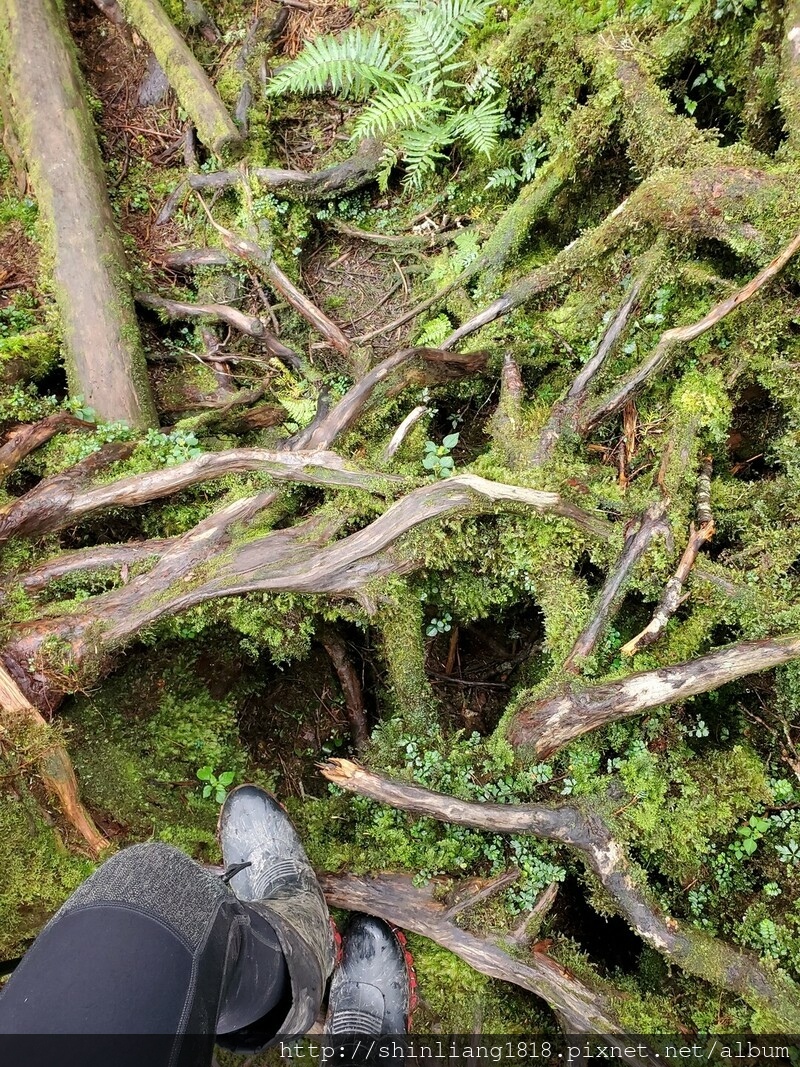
197,96
696,952
393,897
19,717
544,726
102,347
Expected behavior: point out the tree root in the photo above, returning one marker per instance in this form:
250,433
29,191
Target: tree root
672,597
290,184
60,500
351,686
697,953
394,898
53,763
681,335
652,524
26,439
101,557
566,413
547,725
716,203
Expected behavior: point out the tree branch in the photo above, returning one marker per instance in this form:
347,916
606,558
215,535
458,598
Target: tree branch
23,440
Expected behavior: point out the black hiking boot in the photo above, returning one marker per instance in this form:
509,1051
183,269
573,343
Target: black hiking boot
268,870
373,988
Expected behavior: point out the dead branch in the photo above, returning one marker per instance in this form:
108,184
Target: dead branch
394,898
403,430
694,951
673,597
197,96
351,686
60,500
565,413
651,525
23,440
186,259
409,366
19,716
343,178
547,725
681,335
102,347
531,921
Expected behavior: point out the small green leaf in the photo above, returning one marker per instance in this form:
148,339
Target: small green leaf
220,795
450,441
447,462
749,845
431,461
206,791
226,778
205,774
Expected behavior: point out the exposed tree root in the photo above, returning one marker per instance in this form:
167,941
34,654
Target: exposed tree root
682,334
297,559
718,203
101,557
336,648
198,97
790,88
181,309
26,439
672,597
291,184
393,897
566,413
652,525
417,366
60,500
547,725
403,430
706,957
17,715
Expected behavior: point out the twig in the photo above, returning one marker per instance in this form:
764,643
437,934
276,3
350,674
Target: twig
489,889
351,686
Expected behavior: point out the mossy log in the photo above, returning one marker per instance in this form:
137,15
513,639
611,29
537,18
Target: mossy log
102,348
774,995
198,97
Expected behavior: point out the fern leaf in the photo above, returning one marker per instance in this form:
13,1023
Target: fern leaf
395,109
388,162
352,65
479,125
421,149
434,31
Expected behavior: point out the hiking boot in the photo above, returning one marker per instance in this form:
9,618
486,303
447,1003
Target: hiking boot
372,991
268,870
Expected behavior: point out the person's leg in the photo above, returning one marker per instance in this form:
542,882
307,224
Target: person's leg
152,943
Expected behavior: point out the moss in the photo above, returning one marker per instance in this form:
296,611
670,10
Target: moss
38,872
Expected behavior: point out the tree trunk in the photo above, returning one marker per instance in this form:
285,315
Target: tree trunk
102,348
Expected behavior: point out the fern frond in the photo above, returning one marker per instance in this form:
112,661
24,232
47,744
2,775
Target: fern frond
434,31
386,165
421,149
479,125
353,65
395,109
